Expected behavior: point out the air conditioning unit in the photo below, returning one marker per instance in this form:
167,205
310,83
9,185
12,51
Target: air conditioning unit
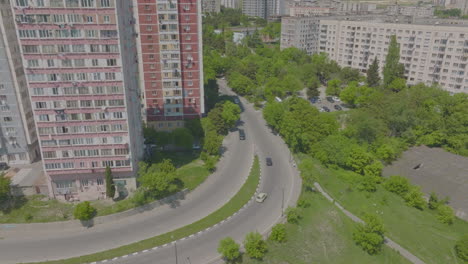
75,83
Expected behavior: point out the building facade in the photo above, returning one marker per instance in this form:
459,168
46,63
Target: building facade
171,61
211,6
431,52
415,11
300,32
80,61
231,3
18,137
261,8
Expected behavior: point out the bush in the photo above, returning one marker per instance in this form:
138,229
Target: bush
84,211
278,233
254,245
414,198
229,249
445,214
433,202
28,217
397,184
370,236
368,183
293,215
303,203
210,163
461,248
139,198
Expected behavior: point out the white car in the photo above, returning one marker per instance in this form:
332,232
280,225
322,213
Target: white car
336,99
261,197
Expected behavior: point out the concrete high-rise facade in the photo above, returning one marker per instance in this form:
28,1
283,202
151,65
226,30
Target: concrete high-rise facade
231,3
211,6
80,61
431,52
18,138
171,61
261,8
300,32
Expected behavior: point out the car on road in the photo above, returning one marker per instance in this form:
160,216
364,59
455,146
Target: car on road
325,109
330,99
336,99
269,161
241,134
261,197
236,101
338,107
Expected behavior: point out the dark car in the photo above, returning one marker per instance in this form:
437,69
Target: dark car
241,134
315,100
326,109
4,166
269,162
337,107
330,99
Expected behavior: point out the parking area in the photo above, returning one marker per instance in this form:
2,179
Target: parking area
328,103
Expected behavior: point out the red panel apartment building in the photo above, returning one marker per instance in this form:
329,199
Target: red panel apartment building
171,61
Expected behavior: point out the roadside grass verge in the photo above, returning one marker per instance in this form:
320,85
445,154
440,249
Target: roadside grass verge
417,231
323,235
240,199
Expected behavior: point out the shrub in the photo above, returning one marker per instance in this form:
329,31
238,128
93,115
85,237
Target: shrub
293,215
210,163
303,203
278,233
414,198
254,245
28,217
397,184
229,249
139,198
84,211
445,214
370,236
461,247
433,202
368,183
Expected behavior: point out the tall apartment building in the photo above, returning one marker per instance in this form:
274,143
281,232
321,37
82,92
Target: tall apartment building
261,8
80,61
300,32
415,11
431,52
171,61
211,6
230,3
18,138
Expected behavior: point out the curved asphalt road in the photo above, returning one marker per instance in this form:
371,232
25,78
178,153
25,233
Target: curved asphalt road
51,241
201,249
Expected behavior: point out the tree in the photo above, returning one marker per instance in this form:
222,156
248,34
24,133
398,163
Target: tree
433,202
231,113
356,95
273,113
461,247
278,233
358,160
229,249
393,69
386,153
212,143
445,214
157,178
254,245
415,198
397,184
293,215
370,236
84,211
368,183
195,127
333,87
348,74
110,185
182,137
4,187
397,84
373,77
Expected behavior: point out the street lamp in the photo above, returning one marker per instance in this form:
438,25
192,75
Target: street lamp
175,248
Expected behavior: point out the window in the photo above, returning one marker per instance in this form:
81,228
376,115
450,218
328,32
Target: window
41,105
50,63
118,140
95,62
99,181
38,91
64,184
43,117
106,19
105,3
111,62
87,3
7,119
33,63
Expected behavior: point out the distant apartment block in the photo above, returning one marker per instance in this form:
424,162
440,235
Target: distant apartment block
301,32
415,11
171,61
230,3
431,52
211,6
18,138
261,8
80,61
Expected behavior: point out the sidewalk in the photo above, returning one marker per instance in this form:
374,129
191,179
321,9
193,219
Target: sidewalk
390,243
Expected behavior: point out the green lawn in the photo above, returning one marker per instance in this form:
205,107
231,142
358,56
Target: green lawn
240,199
417,231
324,235
37,208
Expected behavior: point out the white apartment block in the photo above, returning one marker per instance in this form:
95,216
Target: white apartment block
300,32
261,8
431,53
230,3
211,6
416,11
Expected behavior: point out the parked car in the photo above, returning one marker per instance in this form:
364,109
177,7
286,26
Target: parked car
336,99
4,166
269,162
330,99
325,109
315,100
241,134
236,101
338,107
261,197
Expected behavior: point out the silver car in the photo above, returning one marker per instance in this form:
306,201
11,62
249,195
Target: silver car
261,197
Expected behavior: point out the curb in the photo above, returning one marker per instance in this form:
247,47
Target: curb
199,232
